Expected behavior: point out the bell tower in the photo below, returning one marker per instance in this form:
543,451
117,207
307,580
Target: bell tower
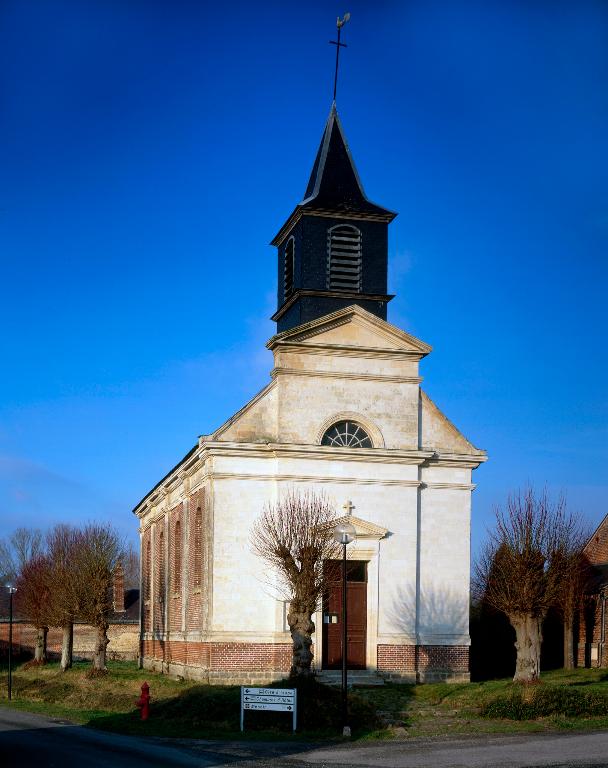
333,249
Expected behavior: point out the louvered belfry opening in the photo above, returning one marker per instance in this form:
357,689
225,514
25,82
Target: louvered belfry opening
289,262
344,255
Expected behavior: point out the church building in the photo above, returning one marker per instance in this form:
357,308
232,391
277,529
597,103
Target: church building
343,414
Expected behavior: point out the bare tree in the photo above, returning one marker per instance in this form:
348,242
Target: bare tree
130,566
98,552
33,599
519,573
23,545
294,537
62,545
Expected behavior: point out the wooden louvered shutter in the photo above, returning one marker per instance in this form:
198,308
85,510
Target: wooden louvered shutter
344,256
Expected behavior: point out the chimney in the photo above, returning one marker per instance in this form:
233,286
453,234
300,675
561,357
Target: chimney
119,589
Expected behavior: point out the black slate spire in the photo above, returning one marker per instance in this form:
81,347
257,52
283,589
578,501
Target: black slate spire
334,183
333,249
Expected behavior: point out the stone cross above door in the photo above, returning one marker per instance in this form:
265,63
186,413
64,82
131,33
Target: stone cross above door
349,506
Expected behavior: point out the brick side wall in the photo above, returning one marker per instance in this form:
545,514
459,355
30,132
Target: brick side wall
176,560
158,598
196,543
124,640
146,561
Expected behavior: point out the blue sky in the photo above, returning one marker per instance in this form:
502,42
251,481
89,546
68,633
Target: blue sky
150,151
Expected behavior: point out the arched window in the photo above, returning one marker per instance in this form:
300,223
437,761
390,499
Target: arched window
344,258
347,434
289,268
148,575
198,547
177,558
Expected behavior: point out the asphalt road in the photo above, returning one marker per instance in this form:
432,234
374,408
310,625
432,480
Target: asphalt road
28,740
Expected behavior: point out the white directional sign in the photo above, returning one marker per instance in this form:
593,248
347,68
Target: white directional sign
269,700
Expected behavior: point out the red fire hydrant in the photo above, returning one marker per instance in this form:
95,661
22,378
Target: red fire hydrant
144,701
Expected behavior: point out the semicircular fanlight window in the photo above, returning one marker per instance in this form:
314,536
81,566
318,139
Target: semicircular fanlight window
347,434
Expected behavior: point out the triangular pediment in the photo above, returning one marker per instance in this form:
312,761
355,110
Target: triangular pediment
352,327
364,529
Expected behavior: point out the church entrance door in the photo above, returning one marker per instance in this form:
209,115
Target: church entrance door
356,609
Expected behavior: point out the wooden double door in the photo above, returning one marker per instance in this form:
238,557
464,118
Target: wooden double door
356,615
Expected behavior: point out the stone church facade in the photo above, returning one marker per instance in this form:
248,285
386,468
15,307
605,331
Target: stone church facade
343,414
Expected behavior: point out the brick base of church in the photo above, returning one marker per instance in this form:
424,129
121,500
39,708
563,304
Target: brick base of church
261,663
424,663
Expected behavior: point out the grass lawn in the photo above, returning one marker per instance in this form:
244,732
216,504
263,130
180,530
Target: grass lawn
193,710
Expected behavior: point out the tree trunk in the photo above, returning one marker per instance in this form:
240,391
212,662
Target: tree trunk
67,646
528,633
302,627
568,640
101,643
40,647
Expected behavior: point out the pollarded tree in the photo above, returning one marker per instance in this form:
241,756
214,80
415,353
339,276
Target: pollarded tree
33,599
97,554
519,572
294,537
62,545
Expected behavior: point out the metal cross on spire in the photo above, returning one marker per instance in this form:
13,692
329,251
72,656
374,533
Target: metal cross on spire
339,24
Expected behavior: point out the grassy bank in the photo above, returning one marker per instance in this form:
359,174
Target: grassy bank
563,700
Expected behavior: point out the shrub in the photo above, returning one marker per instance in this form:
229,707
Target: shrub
544,701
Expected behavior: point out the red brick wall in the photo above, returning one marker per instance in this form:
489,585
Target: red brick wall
159,580
176,560
423,658
197,522
146,556
397,657
222,656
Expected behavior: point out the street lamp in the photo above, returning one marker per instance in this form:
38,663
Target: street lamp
344,533
11,592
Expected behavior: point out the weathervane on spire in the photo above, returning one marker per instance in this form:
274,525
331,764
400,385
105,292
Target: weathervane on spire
339,24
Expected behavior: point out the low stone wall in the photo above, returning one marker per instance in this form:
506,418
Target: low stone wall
123,645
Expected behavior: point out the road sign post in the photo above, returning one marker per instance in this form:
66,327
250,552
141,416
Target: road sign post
269,700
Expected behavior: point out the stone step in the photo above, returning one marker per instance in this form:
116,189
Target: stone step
357,678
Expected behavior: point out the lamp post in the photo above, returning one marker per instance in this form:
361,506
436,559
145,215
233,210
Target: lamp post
344,533
11,592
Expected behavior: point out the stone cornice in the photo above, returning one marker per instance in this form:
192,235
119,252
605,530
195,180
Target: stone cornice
295,450
280,371
461,460
407,343
293,478
346,350
209,449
